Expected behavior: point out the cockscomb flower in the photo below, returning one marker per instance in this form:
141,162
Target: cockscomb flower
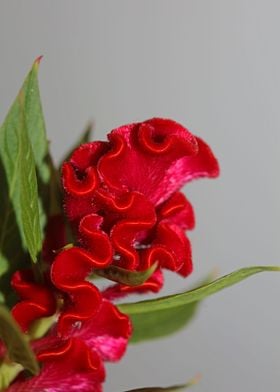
123,200
72,358
131,185
66,366
87,329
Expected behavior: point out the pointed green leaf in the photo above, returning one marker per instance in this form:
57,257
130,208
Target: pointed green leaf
8,372
127,277
17,346
160,323
158,389
84,138
11,249
28,206
35,122
35,125
22,193
22,136
177,300
168,389
40,327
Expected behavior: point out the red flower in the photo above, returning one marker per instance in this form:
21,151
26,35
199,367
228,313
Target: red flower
72,358
131,184
37,300
67,366
123,200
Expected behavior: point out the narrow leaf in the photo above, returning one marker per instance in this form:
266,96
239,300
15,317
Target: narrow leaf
22,136
158,389
192,382
40,327
172,301
28,194
163,322
22,191
35,122
15,341
8,372
11,249
36,129
127,277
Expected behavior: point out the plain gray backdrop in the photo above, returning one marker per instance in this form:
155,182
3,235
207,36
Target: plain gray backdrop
214,66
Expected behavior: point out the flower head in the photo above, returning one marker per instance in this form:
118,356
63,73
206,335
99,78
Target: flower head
123,200
131,185
89,331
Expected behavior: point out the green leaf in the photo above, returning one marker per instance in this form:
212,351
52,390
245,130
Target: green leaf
11,249
158,389
28,206
35,122
17,346
84,138
36,130
127,277
163,322
171,301
182,387
8,372
40,327
22,193
21,136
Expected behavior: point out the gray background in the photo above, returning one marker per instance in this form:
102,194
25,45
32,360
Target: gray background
213,66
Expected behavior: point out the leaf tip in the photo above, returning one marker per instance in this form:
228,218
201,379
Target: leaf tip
38,61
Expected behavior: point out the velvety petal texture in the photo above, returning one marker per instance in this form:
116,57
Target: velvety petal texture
73,351
37,300
123,201
132,183
67,366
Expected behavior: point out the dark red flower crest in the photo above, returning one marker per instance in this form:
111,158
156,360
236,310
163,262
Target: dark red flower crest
123,200
131,182
37,300
72,353
67,366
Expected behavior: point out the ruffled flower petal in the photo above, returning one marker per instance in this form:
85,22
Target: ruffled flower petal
177,210
175,247
67,366
137,175
127,219
107,332
143,154
37,300
202,164
68,273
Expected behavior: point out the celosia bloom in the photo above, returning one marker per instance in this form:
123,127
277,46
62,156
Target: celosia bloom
72,358
123,200
129,188
67,366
